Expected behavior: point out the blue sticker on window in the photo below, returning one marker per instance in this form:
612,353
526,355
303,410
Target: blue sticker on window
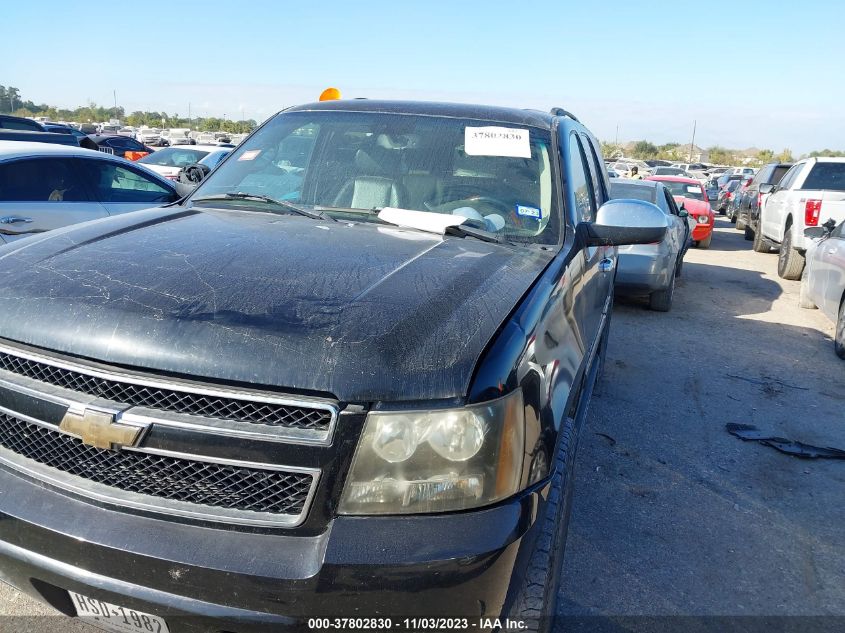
529,212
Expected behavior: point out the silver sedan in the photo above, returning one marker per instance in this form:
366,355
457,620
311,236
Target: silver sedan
45,186
650,269
823,281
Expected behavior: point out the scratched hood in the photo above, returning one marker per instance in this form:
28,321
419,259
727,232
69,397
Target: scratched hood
363,312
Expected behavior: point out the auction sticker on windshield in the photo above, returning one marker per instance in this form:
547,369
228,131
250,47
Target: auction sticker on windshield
112,617
497,141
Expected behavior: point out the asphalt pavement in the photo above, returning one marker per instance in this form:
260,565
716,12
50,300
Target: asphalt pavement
672,516
677,525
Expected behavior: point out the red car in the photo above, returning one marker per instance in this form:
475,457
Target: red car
691,193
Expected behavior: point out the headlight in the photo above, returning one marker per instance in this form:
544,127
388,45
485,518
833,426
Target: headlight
703,219
438,460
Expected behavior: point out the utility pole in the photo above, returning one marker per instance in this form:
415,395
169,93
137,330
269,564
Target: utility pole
189,114
616,141
692,143
114,92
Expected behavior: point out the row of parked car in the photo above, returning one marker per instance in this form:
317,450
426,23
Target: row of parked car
797,210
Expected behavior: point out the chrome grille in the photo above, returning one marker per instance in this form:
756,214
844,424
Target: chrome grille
199,483
171,399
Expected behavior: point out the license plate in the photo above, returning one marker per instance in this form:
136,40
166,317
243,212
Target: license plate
112,617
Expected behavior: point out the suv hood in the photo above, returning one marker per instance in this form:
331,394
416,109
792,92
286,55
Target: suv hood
363,312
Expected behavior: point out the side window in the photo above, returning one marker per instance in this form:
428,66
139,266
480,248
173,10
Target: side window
579,183
40,180
790,176
762,175
599,184
115,183
26,124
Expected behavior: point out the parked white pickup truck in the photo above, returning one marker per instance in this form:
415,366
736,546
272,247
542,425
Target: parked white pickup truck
810,193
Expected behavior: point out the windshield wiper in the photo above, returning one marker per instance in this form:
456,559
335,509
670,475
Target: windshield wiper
287,206
463,230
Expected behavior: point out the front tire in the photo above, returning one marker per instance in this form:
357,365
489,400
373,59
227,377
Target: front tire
705,243
535,603
839,337
761,244
790,261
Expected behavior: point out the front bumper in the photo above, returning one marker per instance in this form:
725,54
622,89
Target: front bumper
208,578
701,231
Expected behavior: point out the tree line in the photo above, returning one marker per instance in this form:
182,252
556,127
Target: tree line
12,103
717,155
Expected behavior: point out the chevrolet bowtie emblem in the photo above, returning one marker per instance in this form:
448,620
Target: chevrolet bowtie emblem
99,429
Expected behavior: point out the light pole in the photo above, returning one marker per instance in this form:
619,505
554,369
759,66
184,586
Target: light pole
692,143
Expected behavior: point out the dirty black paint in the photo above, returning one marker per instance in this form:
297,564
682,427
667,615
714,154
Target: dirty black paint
361,312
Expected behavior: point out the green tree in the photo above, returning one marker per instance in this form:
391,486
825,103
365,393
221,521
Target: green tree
610,150
785,156
765,156
721,156
644,149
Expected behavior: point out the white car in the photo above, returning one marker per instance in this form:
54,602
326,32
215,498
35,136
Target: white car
178,136
169,161
44,186
149,135
809,194
823,282
741,171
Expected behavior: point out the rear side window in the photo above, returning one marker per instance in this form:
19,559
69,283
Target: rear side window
829,176
789,176
114,183
778,174
40,180
579,183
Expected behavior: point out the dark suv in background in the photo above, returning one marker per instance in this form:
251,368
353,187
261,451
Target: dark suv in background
345,377
749,206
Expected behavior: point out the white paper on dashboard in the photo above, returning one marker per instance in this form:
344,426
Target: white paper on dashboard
497,141
421,220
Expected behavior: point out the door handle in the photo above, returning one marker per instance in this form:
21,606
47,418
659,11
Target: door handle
13,219
606,265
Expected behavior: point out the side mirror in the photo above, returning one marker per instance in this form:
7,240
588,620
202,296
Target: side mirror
767,188
683,213
816,232
622,222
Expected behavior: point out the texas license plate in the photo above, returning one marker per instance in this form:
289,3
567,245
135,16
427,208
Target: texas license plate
112,617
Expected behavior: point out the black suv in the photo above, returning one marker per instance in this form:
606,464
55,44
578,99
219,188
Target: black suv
749,205
344,378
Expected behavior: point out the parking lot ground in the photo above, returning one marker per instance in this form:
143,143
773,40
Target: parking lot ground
672,516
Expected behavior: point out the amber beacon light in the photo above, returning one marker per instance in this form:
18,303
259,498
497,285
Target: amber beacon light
330,94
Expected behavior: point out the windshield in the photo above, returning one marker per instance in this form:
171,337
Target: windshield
624,190
173,157
353,163
684,189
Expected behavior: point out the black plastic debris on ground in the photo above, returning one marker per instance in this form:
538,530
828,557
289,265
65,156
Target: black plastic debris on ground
750,433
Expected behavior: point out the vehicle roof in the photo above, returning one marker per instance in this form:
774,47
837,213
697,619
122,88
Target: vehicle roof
198,146
827,159
650,183
535,118
683,179
11,149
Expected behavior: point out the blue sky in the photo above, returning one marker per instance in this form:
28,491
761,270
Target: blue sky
750,73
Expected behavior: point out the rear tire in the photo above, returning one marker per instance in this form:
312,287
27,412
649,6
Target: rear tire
740,225
790,261
661,300
749,234
535,603
705,243
839,337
